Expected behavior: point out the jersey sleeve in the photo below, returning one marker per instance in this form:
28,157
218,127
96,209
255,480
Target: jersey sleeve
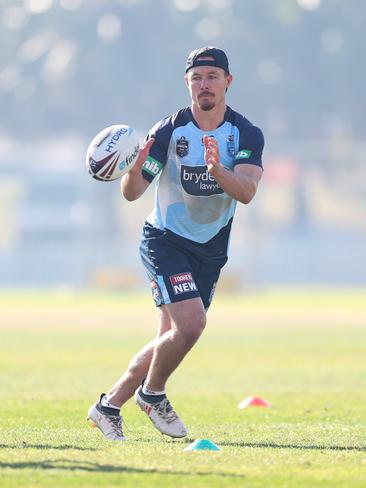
157,157
251,143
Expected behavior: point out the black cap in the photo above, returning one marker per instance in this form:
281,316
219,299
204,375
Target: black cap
219,58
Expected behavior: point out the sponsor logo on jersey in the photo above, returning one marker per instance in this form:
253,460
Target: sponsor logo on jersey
244,154
182,147
152,166
197,181
182,283
231,145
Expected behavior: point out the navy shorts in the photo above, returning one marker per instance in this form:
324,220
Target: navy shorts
178,268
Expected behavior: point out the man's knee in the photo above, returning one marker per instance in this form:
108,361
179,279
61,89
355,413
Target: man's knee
135,369
189,319
193,327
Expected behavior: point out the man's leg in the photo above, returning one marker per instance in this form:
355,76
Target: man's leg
188,319
139,366
105,413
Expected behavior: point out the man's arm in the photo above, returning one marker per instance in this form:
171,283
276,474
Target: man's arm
133,184
242,183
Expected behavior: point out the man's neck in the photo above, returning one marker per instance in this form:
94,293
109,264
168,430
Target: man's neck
210,119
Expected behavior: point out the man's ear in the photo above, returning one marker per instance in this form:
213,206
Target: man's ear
186,80
229,80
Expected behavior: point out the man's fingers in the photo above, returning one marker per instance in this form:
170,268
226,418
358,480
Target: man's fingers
209,142
205,140
144,152
211,150
211,145
146,147
212,154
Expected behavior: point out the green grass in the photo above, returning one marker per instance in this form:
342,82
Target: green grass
303,352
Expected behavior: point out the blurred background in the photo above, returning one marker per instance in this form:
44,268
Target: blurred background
69,68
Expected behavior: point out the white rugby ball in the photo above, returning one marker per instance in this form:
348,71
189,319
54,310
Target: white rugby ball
112,152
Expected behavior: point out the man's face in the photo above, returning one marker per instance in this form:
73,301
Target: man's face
207,86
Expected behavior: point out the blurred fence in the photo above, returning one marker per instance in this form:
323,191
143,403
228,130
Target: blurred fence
60,228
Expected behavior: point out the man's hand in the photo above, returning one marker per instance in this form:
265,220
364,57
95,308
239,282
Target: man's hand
212,155
241,183
143,154
133,184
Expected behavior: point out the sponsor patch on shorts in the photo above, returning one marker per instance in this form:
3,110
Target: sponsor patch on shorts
155,291
182,283
212,292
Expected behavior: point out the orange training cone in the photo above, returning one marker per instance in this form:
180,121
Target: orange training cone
253,402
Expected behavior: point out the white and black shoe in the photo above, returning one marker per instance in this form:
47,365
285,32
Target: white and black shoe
108,420
161,413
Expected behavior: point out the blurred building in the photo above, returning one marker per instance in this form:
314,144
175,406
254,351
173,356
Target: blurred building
68,68
62,228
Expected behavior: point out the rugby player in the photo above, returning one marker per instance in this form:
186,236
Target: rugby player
203,159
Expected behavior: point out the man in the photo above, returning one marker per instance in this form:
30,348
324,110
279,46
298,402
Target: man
204,159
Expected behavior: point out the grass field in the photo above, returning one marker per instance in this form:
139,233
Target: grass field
303,352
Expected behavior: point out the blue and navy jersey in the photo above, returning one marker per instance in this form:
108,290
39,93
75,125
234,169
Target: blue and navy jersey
188,200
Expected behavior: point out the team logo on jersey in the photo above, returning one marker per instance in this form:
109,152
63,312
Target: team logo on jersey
197,181
182,147
231,145
182,283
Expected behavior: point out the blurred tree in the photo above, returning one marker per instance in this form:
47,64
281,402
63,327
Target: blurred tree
74,66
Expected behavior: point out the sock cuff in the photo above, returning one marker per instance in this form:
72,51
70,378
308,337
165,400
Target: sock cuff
107,404
151,398
147,391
